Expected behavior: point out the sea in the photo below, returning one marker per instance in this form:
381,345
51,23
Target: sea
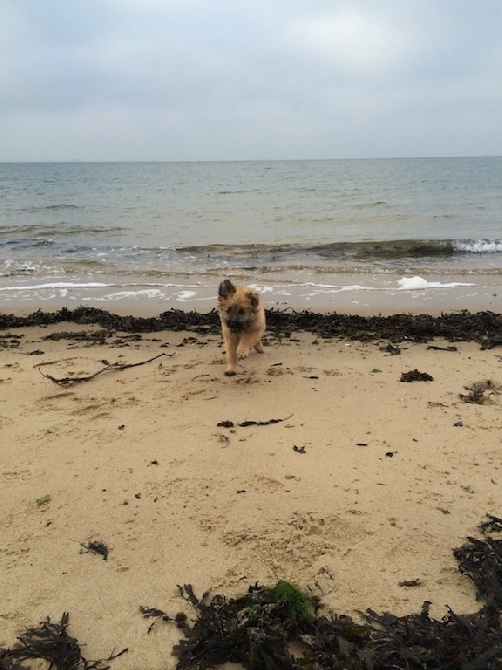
379,235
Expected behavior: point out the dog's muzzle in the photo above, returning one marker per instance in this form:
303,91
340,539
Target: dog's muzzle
235,326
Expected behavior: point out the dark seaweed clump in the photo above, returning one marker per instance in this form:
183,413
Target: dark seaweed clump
416,376
483,327
280,628
52,643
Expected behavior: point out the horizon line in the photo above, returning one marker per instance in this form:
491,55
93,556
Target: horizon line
242,160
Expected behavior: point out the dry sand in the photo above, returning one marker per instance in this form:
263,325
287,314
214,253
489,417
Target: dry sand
365,482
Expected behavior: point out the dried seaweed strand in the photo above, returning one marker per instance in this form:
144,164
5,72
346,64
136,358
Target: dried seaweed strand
245,424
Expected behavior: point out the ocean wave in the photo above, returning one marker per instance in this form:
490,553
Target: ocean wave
27,232
27,243
29,236
54,208
46,257
367,249
417,248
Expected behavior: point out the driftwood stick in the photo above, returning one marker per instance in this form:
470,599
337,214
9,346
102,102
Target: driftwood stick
111,367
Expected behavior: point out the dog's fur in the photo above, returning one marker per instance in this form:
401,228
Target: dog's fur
242,316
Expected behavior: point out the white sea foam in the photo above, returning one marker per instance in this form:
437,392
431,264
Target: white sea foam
261,289
185,295
479,246
357,287
125,295
418,283
334,288
53,285
410,284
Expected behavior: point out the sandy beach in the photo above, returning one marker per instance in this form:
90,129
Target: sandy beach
342,479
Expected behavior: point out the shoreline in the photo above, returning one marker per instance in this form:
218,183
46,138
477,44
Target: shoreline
348,294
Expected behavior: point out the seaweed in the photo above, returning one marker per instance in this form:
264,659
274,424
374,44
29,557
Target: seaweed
254,629
261,631
456,642
51,642
492,341
434,348
476,395
96,547
481,560
96,336
482,327
493,525
477,392
416,376
156,614
246,424
10,341
410,583
392,350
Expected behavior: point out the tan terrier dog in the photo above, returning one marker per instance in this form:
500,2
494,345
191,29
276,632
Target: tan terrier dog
242,316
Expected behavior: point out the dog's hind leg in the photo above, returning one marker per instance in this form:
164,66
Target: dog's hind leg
259,347
242,351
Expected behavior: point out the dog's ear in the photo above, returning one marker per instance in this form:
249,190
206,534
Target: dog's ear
253,299
226,289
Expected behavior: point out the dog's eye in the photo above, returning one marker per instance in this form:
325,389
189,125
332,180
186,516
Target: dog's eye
228,310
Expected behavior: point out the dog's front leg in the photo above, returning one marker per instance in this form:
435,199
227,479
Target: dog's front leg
231,342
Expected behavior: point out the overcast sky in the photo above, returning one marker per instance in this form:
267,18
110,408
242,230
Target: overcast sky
242,80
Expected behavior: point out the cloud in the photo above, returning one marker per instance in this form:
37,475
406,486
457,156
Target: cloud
353,42
173,79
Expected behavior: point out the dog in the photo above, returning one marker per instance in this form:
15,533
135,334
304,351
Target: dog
242,317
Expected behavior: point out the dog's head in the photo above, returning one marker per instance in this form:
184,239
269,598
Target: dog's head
237,306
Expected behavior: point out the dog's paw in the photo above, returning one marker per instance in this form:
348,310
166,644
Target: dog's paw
230,373
242,352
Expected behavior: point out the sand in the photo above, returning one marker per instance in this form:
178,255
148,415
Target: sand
362,483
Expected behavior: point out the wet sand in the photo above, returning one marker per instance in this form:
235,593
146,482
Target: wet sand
344,293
